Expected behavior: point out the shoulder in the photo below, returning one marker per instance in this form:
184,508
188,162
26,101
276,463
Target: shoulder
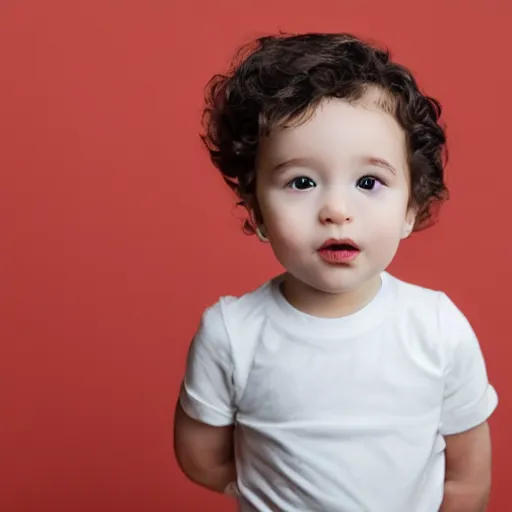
224,331
418,302
230,331
433,311
415,294
232,313
416,299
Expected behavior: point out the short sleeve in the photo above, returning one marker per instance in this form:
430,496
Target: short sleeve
207,389
468,398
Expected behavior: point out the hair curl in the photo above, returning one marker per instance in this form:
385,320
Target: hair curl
283,78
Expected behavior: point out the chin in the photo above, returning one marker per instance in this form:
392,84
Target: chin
334,286
338,289
343,282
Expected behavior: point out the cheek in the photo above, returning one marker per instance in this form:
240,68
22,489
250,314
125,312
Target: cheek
288,231
387,221
285,229
284,212
383,234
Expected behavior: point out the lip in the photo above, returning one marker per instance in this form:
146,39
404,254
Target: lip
338,256
339,241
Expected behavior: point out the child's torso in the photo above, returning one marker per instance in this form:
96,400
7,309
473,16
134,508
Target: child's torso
348,424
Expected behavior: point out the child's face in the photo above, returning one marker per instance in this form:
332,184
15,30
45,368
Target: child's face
340,175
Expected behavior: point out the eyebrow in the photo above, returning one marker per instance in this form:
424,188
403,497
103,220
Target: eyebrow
380,162
304,162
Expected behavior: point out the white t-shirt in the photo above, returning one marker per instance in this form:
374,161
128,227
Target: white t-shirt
338,415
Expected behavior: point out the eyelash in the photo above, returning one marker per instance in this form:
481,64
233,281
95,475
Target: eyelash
374,178
368,176
295,180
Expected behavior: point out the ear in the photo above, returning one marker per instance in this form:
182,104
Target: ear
262,234
255,217
410,219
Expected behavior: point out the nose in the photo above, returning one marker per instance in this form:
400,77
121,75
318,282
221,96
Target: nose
334,214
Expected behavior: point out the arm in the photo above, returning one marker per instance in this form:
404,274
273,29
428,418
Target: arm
468,471
468,401
205,414
204,453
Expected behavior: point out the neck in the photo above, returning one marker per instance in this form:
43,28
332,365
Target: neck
318,303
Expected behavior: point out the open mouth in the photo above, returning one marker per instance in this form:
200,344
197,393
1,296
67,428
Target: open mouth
344,244
339,251
339,247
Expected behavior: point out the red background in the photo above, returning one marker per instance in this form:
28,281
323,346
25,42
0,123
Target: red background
116,232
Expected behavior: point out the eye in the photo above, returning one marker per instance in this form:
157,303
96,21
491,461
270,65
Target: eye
368,183
302,183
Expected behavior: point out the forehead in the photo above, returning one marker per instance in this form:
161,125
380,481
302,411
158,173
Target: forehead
338,131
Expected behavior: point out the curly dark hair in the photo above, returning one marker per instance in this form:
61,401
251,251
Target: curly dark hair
283,78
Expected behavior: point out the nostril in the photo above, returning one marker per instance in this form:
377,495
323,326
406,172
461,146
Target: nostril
335,219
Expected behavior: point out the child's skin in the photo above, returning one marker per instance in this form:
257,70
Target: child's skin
341,174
